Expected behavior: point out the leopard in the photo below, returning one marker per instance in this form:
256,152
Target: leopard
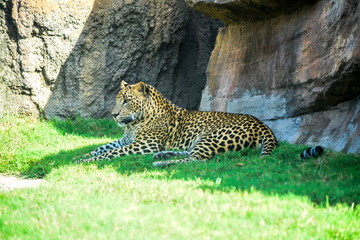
154,125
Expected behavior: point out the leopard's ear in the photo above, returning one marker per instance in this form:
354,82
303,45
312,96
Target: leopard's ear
141,90
123,84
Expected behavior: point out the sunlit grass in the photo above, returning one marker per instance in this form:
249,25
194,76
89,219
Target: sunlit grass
25,143
234,196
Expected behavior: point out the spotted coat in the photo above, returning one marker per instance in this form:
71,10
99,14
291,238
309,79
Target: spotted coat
154,125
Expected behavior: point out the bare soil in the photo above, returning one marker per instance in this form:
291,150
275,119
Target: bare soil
8,183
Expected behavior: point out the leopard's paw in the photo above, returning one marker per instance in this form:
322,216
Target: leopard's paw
162,163
164,155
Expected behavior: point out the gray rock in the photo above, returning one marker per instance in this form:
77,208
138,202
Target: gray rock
68,58
337,128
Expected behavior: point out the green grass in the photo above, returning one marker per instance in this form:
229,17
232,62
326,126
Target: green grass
234,196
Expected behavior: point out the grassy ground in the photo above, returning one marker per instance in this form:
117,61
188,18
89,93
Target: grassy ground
234,196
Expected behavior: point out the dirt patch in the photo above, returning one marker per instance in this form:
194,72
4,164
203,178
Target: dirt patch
8,183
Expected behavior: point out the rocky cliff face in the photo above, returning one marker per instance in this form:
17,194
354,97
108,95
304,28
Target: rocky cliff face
297,67
63,58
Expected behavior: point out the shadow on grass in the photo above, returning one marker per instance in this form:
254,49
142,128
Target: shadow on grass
43,167
87,128
330,179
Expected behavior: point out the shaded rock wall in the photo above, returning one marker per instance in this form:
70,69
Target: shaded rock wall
68,57
298,71
244,11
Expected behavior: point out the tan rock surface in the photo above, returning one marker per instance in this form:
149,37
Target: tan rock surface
298,71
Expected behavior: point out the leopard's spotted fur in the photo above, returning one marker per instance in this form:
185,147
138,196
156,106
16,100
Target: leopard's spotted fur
154,125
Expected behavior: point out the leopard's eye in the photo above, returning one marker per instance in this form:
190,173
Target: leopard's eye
125,101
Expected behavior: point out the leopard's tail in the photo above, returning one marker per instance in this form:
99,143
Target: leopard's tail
312,152
269,142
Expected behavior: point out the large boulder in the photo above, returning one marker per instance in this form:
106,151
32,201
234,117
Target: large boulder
299,71
64,58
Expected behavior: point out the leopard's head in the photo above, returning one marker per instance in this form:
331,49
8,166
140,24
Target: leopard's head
130,103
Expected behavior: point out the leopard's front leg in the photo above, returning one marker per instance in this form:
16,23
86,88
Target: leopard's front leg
200,153
126,140
134,148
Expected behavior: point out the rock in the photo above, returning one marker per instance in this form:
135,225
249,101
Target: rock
194,53
69,57
12,104
242,11
337,128
299,72
36,37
